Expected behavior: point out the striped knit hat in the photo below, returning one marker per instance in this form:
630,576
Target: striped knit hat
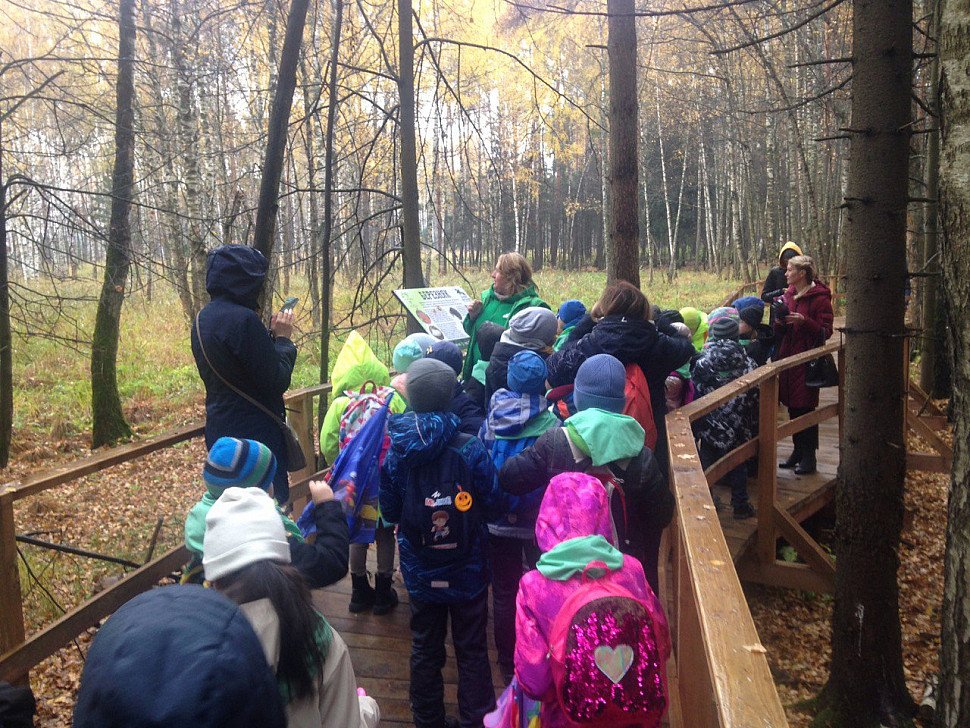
723,323
240,464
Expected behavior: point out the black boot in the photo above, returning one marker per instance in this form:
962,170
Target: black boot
385,598
792,460
806,466
362,596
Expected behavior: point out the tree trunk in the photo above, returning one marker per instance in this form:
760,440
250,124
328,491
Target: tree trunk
108,419
411,230
954,49
866,684
267,208
6,339
624,231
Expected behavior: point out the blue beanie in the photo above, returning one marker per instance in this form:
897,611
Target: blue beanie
571,312
178,656
527,373
447,352
751,310
600,383
410,349
240,464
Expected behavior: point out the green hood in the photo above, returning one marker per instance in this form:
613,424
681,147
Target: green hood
478,371
605,436
356,363
195,522
570,557
696,321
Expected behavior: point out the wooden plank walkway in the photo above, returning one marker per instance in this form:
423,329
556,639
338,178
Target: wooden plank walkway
381,648
801,495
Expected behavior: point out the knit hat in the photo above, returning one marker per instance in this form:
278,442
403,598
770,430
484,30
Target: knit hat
178,656
447,352
410,349
600,383
488,336
239,463
681,329
241,528
527,373
430,385
750,309
532,328
571,312
723,323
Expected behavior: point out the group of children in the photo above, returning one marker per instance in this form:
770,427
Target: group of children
542,474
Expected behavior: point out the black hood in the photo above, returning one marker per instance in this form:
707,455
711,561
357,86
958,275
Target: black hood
236,272
628,339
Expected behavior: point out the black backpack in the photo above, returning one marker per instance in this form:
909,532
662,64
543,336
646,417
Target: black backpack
439,516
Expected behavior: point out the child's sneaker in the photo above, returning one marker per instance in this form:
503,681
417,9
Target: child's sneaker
743,511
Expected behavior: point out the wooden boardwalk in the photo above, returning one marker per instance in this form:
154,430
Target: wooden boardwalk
801,495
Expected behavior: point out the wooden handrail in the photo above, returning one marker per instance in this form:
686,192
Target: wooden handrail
753,285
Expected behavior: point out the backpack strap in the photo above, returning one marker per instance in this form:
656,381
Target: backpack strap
594,570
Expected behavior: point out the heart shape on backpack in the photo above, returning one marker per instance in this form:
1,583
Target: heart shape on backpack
613,662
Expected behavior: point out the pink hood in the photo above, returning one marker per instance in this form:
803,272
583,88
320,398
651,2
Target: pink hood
574,505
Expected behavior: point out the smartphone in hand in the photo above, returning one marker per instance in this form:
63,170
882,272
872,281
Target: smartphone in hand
289,303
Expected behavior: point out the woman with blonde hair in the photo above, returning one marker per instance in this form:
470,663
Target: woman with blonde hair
807,325
511,291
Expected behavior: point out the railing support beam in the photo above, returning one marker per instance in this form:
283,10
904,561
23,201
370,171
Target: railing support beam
767,468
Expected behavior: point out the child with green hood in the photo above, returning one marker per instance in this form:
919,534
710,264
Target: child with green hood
602,441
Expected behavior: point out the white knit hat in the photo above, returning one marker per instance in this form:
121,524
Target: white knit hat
241,528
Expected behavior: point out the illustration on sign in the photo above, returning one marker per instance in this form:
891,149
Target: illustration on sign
439,310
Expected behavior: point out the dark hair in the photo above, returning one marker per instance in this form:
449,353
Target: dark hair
623,299
787,255
300,656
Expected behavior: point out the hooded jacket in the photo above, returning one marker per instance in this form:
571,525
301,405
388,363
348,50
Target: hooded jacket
334,702
736,422
498,311
696,321
356,364
245,354
775,280
657,349
497,373
515,421
178,656
574,508
417,454
649,504
816,306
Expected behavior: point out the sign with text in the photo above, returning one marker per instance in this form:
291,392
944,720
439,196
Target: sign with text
440,311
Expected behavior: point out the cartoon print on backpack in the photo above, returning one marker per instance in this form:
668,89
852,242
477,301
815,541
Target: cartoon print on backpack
440,530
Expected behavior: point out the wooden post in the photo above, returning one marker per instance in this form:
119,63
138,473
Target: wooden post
12,631
299,413
767,468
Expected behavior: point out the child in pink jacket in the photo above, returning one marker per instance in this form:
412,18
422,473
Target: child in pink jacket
574,528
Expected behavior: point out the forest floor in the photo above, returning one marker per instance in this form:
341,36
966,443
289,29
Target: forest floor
115,512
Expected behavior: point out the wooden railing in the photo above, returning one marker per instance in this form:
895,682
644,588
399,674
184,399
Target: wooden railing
20,654
723,673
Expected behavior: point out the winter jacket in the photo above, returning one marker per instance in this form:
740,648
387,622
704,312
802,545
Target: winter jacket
776,281
417,455
497,373
334,702
514,423
356,364
498,311
245,354
736,422
470,416
696,321
574,507
759,348
177,656
649,504
657,349
816,306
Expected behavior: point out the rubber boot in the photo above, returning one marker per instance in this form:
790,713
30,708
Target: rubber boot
792,460
385,598
806,466
362,596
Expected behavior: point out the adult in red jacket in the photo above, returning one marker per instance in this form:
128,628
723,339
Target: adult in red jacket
807,325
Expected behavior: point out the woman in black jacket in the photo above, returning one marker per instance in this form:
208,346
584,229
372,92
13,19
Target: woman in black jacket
620,325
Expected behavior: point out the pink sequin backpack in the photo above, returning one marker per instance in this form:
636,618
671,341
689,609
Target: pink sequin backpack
606,661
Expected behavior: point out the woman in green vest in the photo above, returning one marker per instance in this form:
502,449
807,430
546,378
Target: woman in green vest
512,290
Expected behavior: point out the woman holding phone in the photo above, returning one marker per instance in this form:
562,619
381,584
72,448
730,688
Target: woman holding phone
237,355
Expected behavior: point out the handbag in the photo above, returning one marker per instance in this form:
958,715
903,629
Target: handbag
821,372
295,457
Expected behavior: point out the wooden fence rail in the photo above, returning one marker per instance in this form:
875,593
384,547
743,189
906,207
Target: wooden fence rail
20,654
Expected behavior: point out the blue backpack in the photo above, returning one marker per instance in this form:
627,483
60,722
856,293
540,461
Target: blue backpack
356,480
